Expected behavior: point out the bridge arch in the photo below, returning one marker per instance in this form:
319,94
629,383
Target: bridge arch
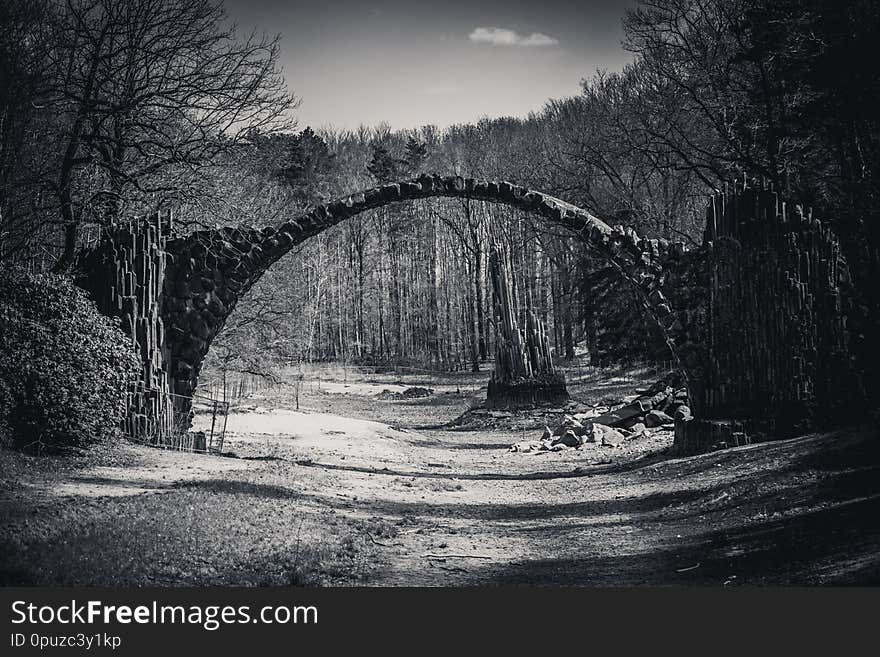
208,271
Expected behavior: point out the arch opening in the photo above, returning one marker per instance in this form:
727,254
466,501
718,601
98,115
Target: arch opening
209,271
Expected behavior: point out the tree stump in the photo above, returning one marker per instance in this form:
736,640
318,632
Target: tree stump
523,374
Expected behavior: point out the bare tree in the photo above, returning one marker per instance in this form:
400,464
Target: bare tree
143,95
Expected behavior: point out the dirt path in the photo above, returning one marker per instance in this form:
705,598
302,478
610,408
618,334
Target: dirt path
316,496
468,511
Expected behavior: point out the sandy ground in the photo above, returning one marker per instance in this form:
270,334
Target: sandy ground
351,489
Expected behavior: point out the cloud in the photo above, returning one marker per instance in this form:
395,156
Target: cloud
499,36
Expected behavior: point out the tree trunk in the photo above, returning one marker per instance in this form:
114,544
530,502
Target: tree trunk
473,332
567,318
481,315
524,374
433,305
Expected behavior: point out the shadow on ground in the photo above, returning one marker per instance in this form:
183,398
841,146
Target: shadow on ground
838,545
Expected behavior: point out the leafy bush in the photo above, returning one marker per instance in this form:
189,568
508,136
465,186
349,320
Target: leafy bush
64,367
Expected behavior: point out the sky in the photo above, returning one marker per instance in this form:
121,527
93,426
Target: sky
410,63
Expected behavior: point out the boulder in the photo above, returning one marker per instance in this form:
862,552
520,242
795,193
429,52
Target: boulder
637,429
657,419
605,435
568,423
583,431
631,410
569,439
683,413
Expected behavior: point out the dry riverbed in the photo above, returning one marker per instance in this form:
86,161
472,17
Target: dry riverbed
358,487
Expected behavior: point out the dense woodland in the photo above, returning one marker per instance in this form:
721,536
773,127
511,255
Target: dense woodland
114,109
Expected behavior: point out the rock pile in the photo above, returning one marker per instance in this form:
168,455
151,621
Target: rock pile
656,407
410,393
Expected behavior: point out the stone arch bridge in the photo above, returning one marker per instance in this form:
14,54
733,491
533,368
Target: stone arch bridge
210,270
174,294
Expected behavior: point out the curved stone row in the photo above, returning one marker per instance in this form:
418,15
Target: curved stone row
209,270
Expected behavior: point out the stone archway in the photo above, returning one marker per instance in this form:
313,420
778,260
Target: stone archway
756,317
208,271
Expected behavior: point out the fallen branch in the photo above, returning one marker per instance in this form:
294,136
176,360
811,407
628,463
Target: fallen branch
684,570
455,556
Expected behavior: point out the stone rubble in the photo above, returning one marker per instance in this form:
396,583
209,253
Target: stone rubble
410,393
653,409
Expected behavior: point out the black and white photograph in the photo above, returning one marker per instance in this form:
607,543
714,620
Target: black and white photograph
402,294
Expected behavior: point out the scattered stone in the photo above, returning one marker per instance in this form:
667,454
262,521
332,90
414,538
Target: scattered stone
631,422
607,436
569,439
416,391
683,413
527,446
637,429
410,393
568,423
657,419
662,398
633,409
612,421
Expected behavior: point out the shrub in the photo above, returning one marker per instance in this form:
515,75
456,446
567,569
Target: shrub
64,367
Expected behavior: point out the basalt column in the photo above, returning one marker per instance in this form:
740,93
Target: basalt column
125,276
776,338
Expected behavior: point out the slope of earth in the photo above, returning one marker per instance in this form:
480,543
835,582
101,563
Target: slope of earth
357,487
